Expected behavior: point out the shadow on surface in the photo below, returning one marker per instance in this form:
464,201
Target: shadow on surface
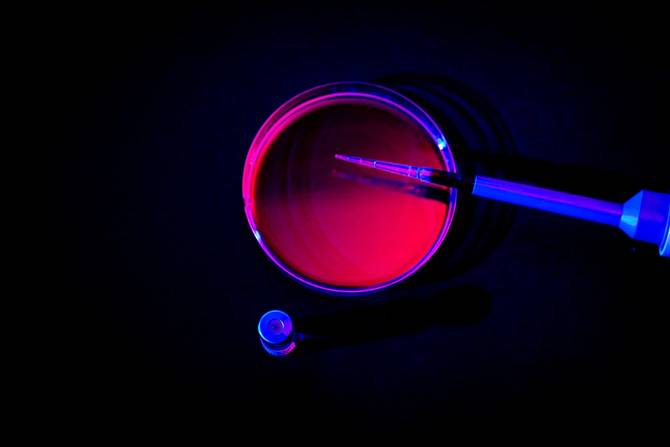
402,315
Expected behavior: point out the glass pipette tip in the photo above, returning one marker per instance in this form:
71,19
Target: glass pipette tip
436,177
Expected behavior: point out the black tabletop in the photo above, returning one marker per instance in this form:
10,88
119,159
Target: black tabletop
161,283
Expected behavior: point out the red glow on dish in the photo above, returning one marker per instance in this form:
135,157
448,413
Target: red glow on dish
333,230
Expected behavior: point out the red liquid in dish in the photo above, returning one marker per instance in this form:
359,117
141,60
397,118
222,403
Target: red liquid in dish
329,228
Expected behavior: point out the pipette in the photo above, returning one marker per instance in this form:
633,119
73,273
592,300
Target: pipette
644,217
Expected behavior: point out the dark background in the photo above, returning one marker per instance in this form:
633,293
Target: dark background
159,283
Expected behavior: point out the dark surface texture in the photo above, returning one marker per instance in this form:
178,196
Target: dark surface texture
161,284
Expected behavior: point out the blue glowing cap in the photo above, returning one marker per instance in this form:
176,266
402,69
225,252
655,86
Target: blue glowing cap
275,328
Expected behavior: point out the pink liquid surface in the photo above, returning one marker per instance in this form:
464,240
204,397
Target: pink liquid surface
334,230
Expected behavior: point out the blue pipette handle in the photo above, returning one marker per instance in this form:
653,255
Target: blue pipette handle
644,217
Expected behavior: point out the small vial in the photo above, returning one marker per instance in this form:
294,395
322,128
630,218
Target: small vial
275,329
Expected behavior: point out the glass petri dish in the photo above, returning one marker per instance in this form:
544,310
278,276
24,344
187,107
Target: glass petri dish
332,226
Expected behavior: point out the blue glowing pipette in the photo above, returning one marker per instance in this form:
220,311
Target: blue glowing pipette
644,217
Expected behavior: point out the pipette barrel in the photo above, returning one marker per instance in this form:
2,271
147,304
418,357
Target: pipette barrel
548,200
645,217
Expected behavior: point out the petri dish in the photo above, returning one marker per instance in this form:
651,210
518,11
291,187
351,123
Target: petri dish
333,226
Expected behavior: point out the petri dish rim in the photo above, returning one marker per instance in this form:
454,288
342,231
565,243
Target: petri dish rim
309,100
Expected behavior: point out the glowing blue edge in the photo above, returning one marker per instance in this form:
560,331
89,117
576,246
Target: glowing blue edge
664,247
